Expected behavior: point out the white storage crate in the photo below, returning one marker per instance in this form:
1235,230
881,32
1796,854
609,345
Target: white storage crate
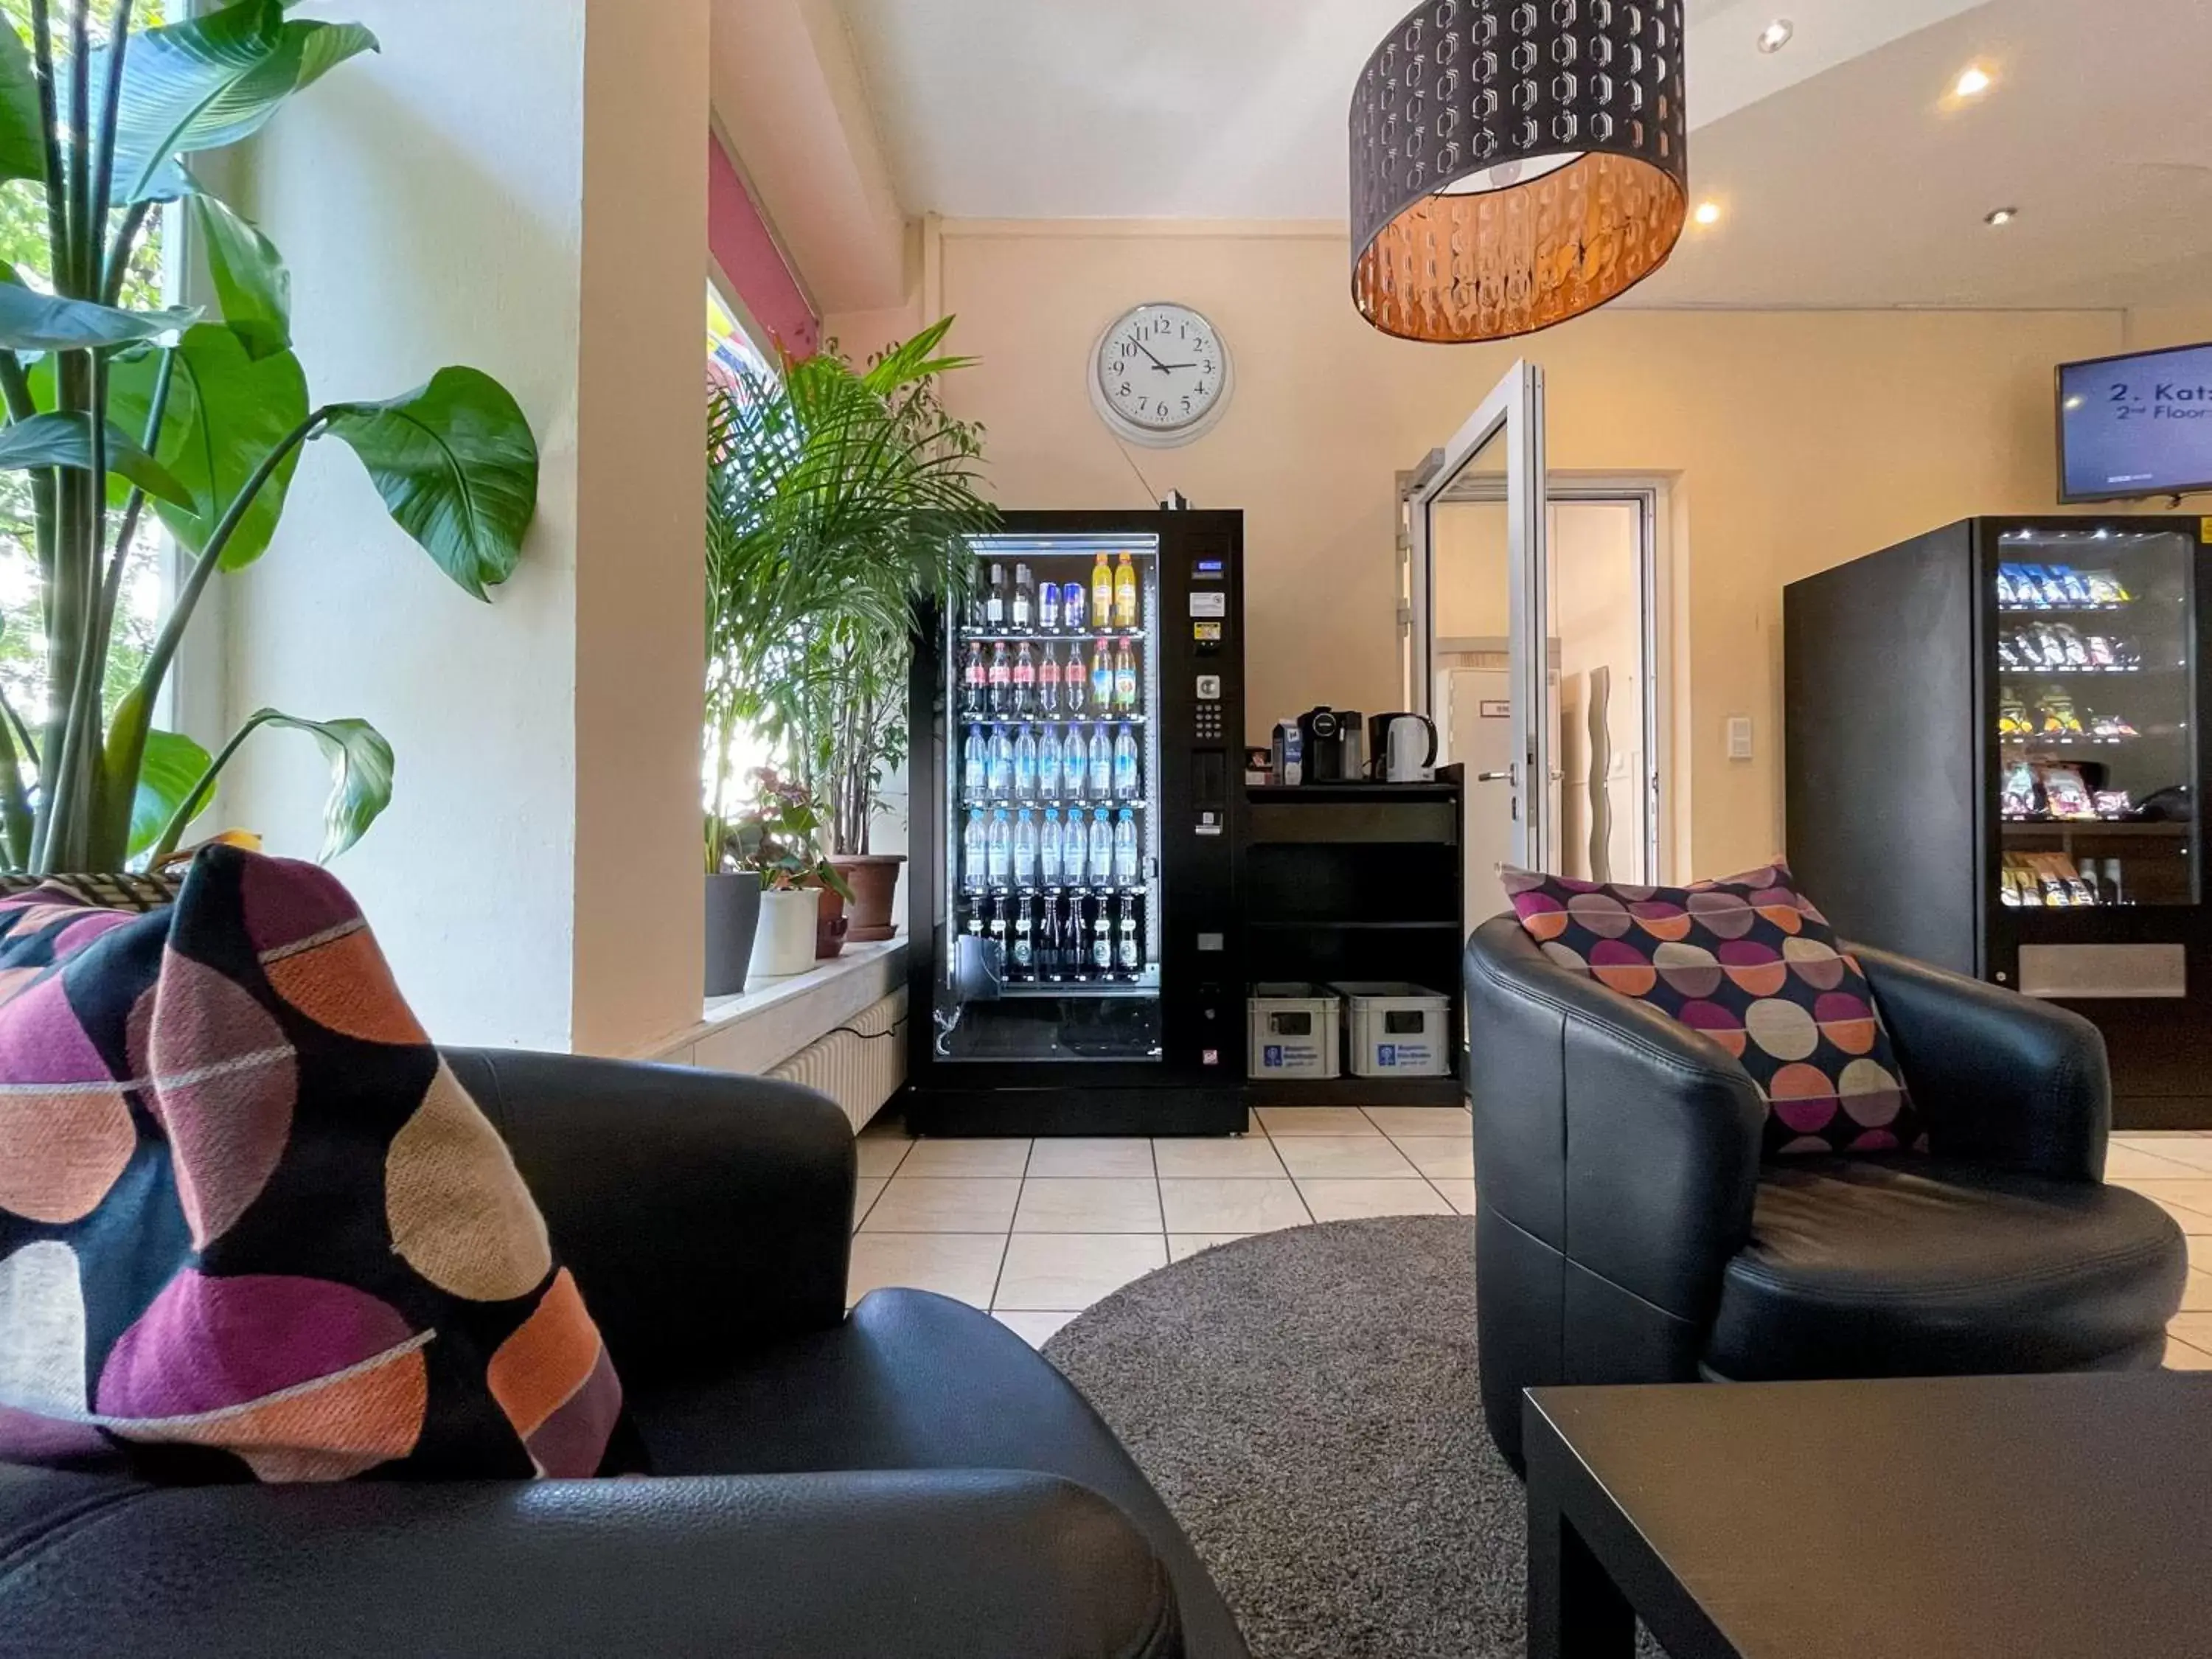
1396,1029
1294,1030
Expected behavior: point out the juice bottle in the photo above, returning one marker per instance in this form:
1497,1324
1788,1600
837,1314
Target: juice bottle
1102,591
1124,676
1125,592
1102,676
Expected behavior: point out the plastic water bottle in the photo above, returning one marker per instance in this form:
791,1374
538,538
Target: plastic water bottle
1048,845
1072,765
1002,764
975,764
1001,848
1101,775
1127,785
973,853
1025,850
1101,862
1025,765
1125,848
1048,774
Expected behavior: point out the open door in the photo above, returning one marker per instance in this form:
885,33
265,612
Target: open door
1475,633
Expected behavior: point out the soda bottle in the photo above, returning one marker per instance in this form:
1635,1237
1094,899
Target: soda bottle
974,765
1102,675
1099,866
999,780
1074,947
1024,608
1025,850
994,599
1129,952
1125,674
1074,611
999,849
1047,942
973,854
1002,679
1099,777
1125,849
975,612
1101,942
1125,593
1127,785
998,929
1075,684
1048,762
1024,679
1048,608
1101,592
1023,966
1048,843
975,681
1048,678
1025,765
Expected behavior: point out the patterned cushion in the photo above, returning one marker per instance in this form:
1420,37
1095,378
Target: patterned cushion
251,1222
1747,962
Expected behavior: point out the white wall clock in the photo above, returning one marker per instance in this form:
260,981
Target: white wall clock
1160,375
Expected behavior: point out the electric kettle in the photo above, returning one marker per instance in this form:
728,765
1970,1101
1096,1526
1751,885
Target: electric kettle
1404,747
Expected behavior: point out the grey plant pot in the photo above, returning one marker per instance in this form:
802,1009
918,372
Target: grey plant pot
733,905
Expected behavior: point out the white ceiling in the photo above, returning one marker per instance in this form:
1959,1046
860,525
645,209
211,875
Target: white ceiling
1846,181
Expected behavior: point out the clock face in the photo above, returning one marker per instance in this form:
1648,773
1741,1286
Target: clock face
1161,375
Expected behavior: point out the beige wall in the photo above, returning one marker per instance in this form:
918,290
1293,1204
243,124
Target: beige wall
1796,440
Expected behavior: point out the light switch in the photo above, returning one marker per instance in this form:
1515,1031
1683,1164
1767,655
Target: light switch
1739,736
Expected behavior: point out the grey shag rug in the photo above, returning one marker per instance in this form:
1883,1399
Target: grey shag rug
1305,1402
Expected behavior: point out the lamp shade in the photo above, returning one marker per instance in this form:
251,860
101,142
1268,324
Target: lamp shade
1516,163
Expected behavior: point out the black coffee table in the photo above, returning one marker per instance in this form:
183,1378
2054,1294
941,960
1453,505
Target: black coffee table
2026,1517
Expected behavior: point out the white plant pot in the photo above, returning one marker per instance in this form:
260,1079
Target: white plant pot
785,943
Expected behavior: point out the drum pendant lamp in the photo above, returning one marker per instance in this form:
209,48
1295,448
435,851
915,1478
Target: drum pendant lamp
1516,163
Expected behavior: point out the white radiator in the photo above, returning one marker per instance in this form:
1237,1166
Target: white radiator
860,1064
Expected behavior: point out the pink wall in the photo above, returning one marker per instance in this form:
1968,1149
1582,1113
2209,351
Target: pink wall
739,240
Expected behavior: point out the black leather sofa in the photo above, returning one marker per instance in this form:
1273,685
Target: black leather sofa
911,1480
1628,1232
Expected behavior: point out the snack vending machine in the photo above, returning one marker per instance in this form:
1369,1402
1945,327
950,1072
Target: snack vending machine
1074,832
1994,764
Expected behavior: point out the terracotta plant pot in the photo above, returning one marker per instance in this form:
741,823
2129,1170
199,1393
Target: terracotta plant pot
873,878
830,925
785,943
733,911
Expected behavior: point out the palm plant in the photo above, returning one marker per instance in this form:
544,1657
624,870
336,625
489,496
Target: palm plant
834,501
201,412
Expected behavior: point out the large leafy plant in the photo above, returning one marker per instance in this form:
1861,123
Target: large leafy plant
201,412
836,498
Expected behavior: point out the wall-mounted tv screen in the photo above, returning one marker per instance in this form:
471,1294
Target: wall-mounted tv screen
2139,425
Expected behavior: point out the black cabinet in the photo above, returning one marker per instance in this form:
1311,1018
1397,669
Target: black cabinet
1994,764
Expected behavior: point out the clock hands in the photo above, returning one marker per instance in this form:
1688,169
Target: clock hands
1164,368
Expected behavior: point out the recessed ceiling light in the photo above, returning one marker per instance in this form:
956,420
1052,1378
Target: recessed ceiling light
2001,216
1775,35
1708,212
1973,82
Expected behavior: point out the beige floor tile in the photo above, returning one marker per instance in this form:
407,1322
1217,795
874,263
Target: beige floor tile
2180,1357
1053,1271
1341,1155
1121,1155
2195,1223
1254,1155
1335,1199
2191,1152
1421,1120
962,1265
2196,1292
1089,1203
881,1155
1458,1193
2139,1163
1035,1329
2194,1329
1438,1155
945,1204
1316,1120
865,1191
1181,1245
956,1156
1210,1205
2200,1251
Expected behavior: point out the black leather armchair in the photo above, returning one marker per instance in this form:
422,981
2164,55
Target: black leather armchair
910,1480
1627,1232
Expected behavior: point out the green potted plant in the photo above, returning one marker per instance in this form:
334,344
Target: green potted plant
115,406
836,497
778,841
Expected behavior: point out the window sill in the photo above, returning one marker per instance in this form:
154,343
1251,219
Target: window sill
757,1031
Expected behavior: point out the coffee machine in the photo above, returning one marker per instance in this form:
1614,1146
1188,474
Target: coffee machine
1331,745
